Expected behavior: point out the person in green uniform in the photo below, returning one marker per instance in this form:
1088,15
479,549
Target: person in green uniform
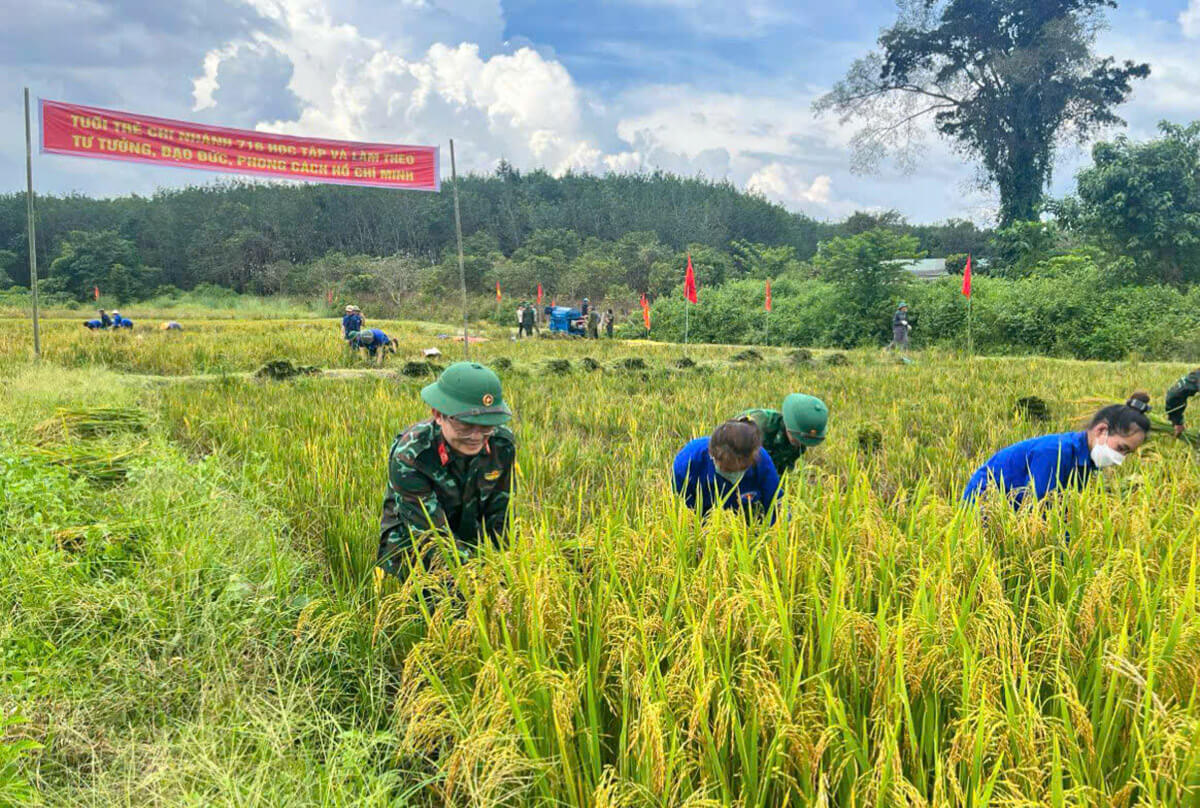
1177,399
789,432
450,474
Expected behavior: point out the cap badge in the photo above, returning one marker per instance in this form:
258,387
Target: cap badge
488,398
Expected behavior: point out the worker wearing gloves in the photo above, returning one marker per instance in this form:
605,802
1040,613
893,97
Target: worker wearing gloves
728,470
1051,462
451,474
787,433
352,321
1177,399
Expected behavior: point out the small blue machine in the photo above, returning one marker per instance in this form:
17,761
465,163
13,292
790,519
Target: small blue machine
568,321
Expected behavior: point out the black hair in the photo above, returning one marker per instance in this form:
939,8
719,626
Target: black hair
735,440
1124,418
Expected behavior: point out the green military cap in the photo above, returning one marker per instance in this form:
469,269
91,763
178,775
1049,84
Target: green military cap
352,335
366,336
805,418
469,392
902,305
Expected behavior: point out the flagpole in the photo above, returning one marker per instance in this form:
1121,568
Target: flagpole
970,340
687,307
768,339
32,244
462,270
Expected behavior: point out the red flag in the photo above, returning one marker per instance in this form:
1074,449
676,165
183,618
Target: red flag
539,294
96,292
689,283
966,290
497,291
328,297
645,312
768,303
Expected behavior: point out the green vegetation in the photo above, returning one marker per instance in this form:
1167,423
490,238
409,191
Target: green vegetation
200,624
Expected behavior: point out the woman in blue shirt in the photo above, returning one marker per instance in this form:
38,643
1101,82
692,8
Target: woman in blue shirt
728,469
1051,462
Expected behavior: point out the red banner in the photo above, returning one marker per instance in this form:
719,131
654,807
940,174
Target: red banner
689,283
110,135
767,303
966,287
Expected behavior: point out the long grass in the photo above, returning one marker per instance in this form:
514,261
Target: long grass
879,646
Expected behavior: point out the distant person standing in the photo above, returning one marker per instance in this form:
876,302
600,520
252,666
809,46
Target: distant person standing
900,327
1177,399
593,324
105,320
352,321
608,323
529,319
585,307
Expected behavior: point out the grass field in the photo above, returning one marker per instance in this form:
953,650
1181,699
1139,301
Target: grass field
190,617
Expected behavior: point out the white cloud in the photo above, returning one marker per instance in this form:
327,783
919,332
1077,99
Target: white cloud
1189,20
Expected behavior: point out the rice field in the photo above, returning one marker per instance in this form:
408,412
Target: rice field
194,618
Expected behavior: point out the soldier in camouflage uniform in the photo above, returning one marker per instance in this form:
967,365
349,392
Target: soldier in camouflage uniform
788,433
451,474
1177,398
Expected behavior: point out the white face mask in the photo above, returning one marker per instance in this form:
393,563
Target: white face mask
1104,455
732,477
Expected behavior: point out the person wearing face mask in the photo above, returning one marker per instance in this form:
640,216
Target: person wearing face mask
450,474
1045,464
728,469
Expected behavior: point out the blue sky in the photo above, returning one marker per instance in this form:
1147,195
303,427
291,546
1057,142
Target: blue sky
722,89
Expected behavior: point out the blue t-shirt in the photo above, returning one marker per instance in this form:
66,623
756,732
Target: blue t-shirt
696,478
351,322
1046,463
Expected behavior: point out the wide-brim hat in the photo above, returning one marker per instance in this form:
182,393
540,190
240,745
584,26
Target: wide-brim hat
469,392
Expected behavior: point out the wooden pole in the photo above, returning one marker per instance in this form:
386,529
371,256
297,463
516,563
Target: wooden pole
462,270
33,271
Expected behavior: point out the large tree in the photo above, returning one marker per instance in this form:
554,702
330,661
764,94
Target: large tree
1142,200
1004,80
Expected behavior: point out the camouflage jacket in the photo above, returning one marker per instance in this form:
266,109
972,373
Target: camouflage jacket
775,438
432,488
1178,395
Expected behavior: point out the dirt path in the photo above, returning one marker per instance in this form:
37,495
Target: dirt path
332,373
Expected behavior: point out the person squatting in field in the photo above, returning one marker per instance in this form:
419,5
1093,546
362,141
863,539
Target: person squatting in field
1177,399
451,474
728,469
376,343
789,432
1048,463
